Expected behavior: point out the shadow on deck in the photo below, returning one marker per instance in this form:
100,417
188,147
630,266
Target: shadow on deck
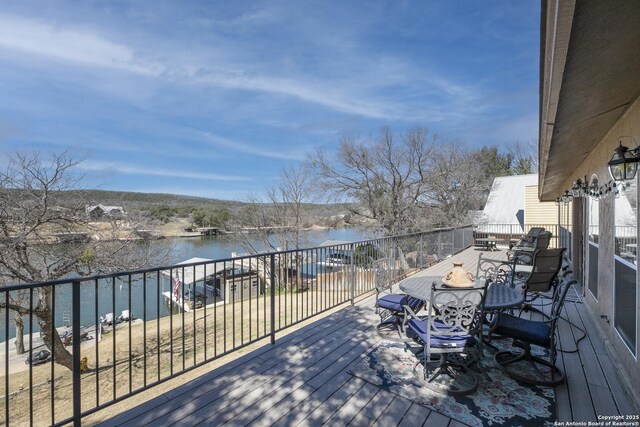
303,378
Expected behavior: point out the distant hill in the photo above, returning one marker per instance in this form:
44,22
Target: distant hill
132,201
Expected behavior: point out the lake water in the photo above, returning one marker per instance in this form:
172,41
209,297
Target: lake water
115,299
223,246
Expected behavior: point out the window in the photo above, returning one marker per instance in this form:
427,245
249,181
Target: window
592,247
625,261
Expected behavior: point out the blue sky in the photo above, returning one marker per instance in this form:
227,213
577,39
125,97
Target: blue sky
213,98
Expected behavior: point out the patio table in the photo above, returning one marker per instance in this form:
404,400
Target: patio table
499,296
489,243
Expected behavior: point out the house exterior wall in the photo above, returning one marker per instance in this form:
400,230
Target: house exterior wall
536,212
602,308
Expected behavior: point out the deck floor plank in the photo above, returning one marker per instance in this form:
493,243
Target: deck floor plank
223,385
279,395
326,409
415,416
377,405
316,398
622,400
393,413
602,399
581,404
437,420
352,407
253,395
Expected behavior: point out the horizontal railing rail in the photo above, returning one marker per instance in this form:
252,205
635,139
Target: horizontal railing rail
93,341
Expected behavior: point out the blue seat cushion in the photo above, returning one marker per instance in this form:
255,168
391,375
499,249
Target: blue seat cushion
437,340
393,302
538,333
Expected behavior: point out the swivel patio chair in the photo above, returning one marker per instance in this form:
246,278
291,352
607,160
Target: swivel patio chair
526,333
389,306
523,254
528,239
451,339
543,277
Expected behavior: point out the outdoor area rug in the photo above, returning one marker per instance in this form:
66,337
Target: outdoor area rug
502,401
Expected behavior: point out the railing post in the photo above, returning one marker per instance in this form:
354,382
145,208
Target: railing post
353,274
420,251
75,331
453,241
272,274
395,259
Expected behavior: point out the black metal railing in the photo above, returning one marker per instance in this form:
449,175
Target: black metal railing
119,334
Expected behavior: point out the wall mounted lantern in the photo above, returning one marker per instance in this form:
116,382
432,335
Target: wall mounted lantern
594,189
624,163
579,188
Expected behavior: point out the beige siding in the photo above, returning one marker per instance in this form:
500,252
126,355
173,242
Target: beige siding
536,212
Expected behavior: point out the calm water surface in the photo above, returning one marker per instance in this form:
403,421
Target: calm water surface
222,247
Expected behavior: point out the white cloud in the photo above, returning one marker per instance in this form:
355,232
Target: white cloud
173,172
283,153
81,47
351,93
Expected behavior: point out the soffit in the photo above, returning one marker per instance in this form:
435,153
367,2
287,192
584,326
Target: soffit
600,80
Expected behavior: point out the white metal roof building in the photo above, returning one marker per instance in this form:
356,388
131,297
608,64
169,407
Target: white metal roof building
505,204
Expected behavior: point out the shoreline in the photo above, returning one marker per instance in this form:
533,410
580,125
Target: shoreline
182,234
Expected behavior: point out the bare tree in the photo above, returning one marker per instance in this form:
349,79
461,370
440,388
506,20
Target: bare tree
524,157
457,183
32,223
385,177
276,220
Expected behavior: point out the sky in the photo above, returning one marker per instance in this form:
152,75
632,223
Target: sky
214,98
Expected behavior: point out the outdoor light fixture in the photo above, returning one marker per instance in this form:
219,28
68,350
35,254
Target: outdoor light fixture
624,163
558,201
579,188
566,197
594,189
610,189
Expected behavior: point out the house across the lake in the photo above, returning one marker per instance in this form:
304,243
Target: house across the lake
100,211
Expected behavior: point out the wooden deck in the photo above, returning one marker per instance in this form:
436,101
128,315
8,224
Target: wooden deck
303,379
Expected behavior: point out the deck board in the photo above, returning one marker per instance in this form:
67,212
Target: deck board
302,379
415,416
377,405
352,407
393,413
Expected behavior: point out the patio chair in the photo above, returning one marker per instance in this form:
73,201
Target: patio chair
526,333
522,253
453,328
541,281
497,270
389,306
531,235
